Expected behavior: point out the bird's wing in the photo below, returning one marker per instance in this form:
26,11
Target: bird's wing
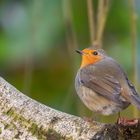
103,84
133,96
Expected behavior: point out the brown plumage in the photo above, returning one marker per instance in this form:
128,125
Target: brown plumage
102,84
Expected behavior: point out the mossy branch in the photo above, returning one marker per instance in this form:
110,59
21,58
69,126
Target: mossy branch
24,118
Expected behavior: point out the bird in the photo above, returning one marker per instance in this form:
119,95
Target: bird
102,84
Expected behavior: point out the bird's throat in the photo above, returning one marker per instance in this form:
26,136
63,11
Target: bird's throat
89,60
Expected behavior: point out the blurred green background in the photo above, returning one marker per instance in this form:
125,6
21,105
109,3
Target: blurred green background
38,39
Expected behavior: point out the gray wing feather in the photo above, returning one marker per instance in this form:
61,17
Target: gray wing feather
107,87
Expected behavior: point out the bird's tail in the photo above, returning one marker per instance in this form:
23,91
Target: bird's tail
135,100
133,95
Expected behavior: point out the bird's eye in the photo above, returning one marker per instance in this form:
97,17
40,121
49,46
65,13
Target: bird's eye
95,53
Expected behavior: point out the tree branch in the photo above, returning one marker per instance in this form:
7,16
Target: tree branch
24,118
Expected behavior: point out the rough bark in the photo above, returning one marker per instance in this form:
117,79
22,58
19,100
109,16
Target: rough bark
24,118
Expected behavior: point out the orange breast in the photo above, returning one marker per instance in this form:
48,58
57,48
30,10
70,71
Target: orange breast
89,59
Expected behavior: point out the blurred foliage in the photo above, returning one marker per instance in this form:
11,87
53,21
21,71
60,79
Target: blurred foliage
34,53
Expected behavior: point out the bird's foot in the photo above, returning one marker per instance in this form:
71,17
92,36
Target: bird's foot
88,119
127,122
93,118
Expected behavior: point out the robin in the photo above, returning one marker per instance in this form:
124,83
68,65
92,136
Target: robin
102,85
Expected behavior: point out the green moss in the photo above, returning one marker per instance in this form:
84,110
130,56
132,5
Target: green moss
17,135
33,128
42,134
10,112
53,135
6,126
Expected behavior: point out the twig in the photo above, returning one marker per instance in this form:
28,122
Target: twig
103,7
91,21
97,27
133,18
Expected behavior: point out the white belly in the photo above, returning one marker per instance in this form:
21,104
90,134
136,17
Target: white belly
97,103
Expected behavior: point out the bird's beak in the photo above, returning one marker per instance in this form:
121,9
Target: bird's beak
80,52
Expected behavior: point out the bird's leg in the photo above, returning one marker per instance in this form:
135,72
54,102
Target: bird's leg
128,122
95,117
119,117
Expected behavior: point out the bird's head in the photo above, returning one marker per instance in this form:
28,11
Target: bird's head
91,56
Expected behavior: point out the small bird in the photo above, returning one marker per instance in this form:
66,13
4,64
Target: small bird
102,85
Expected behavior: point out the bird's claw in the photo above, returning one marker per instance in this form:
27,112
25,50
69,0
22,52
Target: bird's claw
127,122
